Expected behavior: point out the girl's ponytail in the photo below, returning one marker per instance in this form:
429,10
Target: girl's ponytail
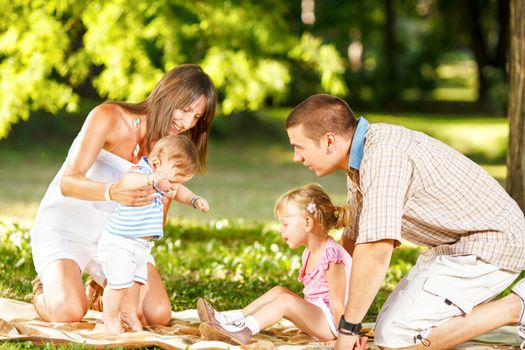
313,201
342,215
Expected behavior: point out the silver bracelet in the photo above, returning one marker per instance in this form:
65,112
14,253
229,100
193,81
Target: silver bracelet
107,195
194,201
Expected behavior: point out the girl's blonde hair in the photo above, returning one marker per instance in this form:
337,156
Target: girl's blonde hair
313,201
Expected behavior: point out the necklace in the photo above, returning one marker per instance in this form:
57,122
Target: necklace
136,123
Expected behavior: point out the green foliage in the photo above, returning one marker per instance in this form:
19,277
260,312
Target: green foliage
32,49
498,93
16,263
52,50
325,60
245,81
398,59
403,258
379,75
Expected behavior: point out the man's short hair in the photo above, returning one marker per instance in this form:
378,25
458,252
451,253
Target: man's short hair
320,114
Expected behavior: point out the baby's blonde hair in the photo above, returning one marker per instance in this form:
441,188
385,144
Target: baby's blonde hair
180,150
313,201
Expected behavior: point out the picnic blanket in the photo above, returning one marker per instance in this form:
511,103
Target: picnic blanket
20,322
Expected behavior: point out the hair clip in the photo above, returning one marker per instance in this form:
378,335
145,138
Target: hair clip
311,207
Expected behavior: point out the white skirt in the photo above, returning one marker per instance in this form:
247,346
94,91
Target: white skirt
327,314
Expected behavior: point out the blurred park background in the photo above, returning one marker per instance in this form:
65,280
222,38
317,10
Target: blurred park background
436,66
439,66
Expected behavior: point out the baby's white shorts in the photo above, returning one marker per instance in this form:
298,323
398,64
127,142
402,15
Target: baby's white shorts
124,259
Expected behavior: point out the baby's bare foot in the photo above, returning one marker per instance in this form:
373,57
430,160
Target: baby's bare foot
131,320
112,324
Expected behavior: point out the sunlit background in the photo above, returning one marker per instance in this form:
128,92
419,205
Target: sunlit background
438,66
411,62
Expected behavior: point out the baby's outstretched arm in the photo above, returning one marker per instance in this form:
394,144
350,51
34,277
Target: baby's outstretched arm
185,196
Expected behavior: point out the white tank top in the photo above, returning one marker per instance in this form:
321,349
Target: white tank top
72,218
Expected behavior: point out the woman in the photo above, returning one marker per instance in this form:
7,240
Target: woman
81,197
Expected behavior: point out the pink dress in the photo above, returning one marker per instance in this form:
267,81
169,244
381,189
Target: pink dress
315,282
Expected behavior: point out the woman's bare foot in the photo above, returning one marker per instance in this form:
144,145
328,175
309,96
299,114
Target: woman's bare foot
112,324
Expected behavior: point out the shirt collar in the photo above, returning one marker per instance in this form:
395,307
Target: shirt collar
144,162
358,144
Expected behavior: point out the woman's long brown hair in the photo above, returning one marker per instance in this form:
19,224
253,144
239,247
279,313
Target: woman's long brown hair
178,89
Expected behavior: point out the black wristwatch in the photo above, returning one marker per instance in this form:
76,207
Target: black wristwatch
348,328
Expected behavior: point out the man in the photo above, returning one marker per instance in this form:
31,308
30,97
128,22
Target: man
404,184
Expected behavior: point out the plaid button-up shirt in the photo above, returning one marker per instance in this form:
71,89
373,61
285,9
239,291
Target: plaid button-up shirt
405,184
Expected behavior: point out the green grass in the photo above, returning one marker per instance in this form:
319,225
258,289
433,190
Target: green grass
47,346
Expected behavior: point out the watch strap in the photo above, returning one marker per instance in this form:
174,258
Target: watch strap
348,328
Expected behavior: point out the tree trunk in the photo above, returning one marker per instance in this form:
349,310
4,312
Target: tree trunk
516,114
390,47
500,57
479,47
390,40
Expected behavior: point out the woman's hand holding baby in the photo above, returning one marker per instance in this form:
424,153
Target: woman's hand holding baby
131,196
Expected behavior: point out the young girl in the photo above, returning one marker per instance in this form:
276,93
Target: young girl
306,215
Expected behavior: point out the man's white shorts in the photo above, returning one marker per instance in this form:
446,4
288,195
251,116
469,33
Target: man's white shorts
124,259
432,293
